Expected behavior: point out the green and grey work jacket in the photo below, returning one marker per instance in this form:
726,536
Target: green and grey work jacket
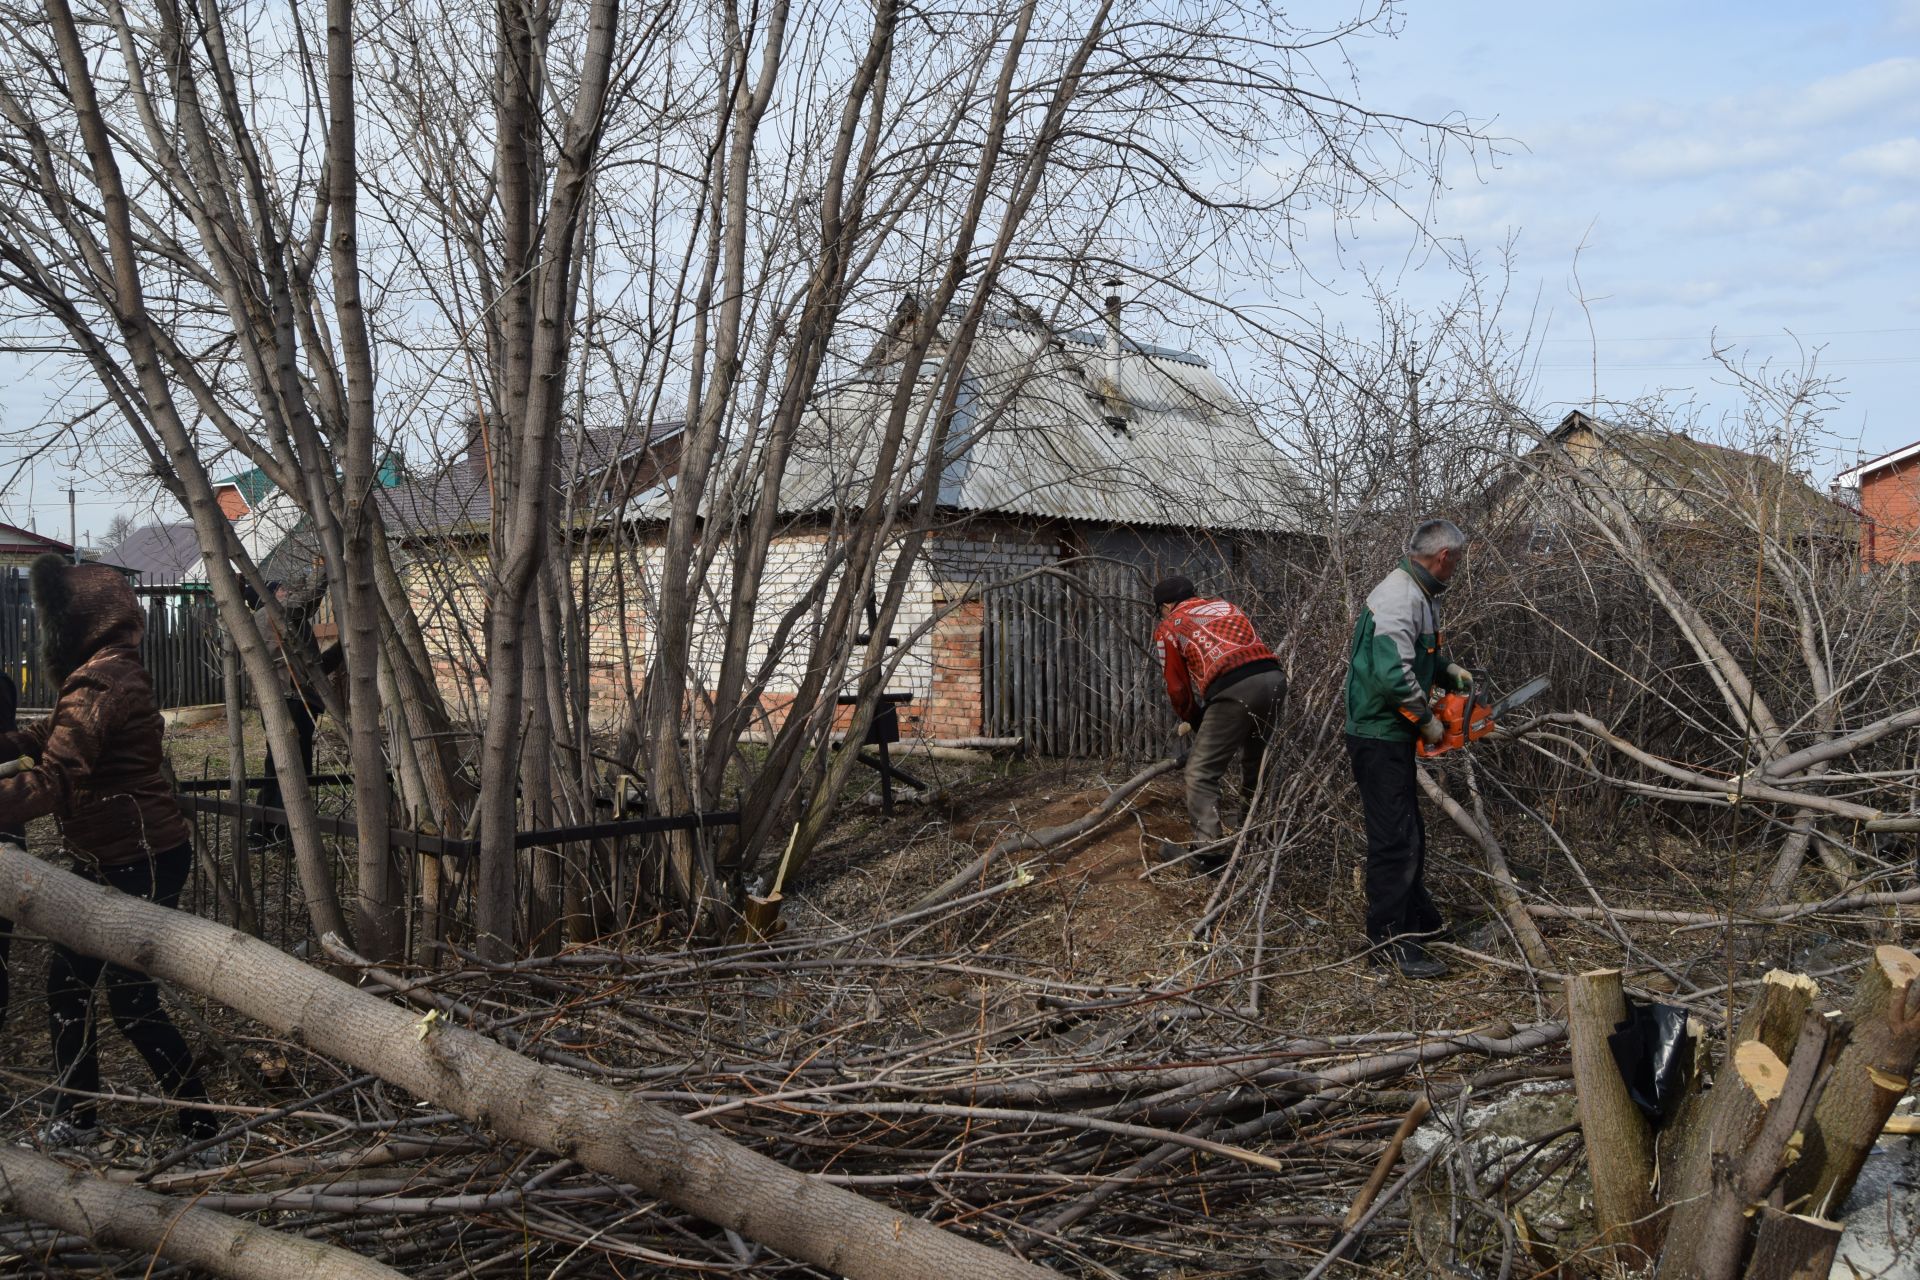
1395,656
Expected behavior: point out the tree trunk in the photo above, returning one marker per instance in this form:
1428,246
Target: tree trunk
602,1128
1774,1020
130,1217
1869,1077
1776,1014
1737,1108
379,919
1766,1103
1619,1143
1793,1247
244,918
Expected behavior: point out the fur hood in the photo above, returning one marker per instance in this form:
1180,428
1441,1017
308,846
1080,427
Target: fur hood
83,609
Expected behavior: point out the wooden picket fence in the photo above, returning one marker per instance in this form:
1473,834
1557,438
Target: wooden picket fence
1068,667
181,649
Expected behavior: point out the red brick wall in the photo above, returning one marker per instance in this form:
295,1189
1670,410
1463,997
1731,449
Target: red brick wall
953,707
232,505
1890,499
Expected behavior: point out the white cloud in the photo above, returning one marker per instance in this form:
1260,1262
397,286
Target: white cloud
1843,96
1894,158
1695,156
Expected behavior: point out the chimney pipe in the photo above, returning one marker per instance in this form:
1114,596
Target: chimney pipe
1113,338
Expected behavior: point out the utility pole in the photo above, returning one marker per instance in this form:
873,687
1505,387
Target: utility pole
73,525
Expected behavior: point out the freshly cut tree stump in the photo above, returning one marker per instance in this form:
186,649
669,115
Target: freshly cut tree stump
1736,1109
1762,1105
130,1217
1773,1019
1793,1247
1618,1140
1870,1076
1775,1015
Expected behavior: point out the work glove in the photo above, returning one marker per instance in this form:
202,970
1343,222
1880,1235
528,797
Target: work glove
1184,729
1431,731
1459,679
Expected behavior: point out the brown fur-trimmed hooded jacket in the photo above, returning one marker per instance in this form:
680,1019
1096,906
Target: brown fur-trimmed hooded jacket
98,763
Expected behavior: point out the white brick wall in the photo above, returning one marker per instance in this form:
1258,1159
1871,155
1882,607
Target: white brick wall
950,563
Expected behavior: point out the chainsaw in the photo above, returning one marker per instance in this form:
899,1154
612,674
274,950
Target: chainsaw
1465,720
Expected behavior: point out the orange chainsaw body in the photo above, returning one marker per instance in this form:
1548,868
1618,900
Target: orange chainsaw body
1462,721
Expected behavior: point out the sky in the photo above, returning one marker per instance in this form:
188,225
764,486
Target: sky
1751,169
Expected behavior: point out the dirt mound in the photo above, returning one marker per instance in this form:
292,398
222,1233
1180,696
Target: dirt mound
1091,911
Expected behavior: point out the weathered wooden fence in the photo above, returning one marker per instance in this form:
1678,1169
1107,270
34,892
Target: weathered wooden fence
181,649
1068,666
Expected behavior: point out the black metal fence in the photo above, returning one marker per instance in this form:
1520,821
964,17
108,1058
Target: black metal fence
181,649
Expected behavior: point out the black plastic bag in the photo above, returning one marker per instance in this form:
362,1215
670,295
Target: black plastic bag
1652,1049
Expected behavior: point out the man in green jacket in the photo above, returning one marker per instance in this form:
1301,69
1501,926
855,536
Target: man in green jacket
1395,660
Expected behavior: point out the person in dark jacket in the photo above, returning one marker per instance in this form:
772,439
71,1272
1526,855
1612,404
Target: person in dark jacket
1224,682
98,771
1395,658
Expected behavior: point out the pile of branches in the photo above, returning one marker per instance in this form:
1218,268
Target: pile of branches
1094,1129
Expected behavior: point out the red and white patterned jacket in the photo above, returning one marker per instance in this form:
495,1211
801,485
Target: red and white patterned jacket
1200,641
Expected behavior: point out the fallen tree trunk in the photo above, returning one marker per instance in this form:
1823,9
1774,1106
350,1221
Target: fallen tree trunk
655,1150
1042,838
133,1218
1869,1078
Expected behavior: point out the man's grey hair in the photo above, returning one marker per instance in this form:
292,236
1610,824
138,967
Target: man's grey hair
1431,537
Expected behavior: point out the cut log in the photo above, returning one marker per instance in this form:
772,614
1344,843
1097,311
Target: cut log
1619,1143
663,1154
133,1218
1792,1246
1870,1076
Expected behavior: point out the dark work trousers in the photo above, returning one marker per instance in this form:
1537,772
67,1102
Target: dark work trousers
133,998
1237,721
270,794
1397,900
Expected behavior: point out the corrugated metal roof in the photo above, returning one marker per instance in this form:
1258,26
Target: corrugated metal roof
159,552
1044,428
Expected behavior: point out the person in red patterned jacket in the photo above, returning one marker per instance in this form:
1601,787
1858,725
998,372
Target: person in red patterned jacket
1225,683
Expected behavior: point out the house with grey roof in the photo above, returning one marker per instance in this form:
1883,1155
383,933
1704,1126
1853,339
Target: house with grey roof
159,553
1081,465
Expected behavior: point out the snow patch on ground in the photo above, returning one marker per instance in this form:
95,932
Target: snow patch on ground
1882,1216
